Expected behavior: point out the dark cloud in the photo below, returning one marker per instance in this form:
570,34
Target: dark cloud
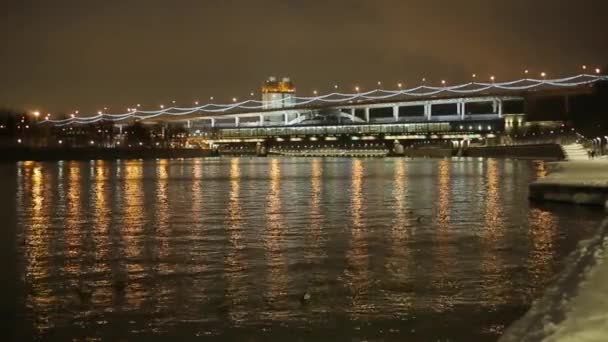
66,54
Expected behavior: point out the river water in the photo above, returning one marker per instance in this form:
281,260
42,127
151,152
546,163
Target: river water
386,249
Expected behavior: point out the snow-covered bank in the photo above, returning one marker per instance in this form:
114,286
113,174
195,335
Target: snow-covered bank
574,307
580,182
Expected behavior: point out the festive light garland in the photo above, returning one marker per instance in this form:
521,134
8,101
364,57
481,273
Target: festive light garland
335,98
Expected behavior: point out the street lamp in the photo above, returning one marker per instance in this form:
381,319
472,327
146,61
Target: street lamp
36,114
543,74
399,85
597,71
314,92
357,89
492,78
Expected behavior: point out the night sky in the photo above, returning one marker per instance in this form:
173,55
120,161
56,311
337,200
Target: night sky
63,55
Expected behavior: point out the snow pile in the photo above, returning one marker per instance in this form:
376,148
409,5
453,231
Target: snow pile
588,173
575,306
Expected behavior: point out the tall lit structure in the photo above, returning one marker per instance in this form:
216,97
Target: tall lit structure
278,94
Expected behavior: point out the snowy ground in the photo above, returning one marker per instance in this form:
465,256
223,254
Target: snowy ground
575,306
588,172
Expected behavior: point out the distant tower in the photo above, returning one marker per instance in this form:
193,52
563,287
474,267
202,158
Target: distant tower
278,94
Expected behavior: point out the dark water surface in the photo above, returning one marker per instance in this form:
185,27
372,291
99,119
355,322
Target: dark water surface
388,249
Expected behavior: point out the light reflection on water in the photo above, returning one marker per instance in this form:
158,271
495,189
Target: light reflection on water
387,248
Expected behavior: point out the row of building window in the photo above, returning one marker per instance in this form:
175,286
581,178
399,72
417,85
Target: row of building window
323,130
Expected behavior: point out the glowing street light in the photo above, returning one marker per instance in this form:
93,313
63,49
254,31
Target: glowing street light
72,115
357,89
196,103
543,74
99,112
443,82
399,85
598,71
138,105
234,99
162,106
211,98
379,84
492,78
251,94
335,86
314,92
36,113
584,67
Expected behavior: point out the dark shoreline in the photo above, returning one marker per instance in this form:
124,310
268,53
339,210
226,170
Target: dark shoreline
545,152
56,154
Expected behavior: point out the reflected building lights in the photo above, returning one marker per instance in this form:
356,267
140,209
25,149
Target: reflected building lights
492,235
277,273
73,221
234,258
445,263
398,260
101,222
133,233
198,210
315,239
162,215
543,230
357,256
37,242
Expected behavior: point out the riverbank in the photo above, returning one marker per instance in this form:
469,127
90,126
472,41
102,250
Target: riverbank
94,153
578,182
536,151
545,152
573,308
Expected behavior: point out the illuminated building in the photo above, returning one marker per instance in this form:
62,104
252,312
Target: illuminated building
278,94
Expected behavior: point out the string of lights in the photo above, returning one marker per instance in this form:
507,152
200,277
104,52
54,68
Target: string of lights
336,97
